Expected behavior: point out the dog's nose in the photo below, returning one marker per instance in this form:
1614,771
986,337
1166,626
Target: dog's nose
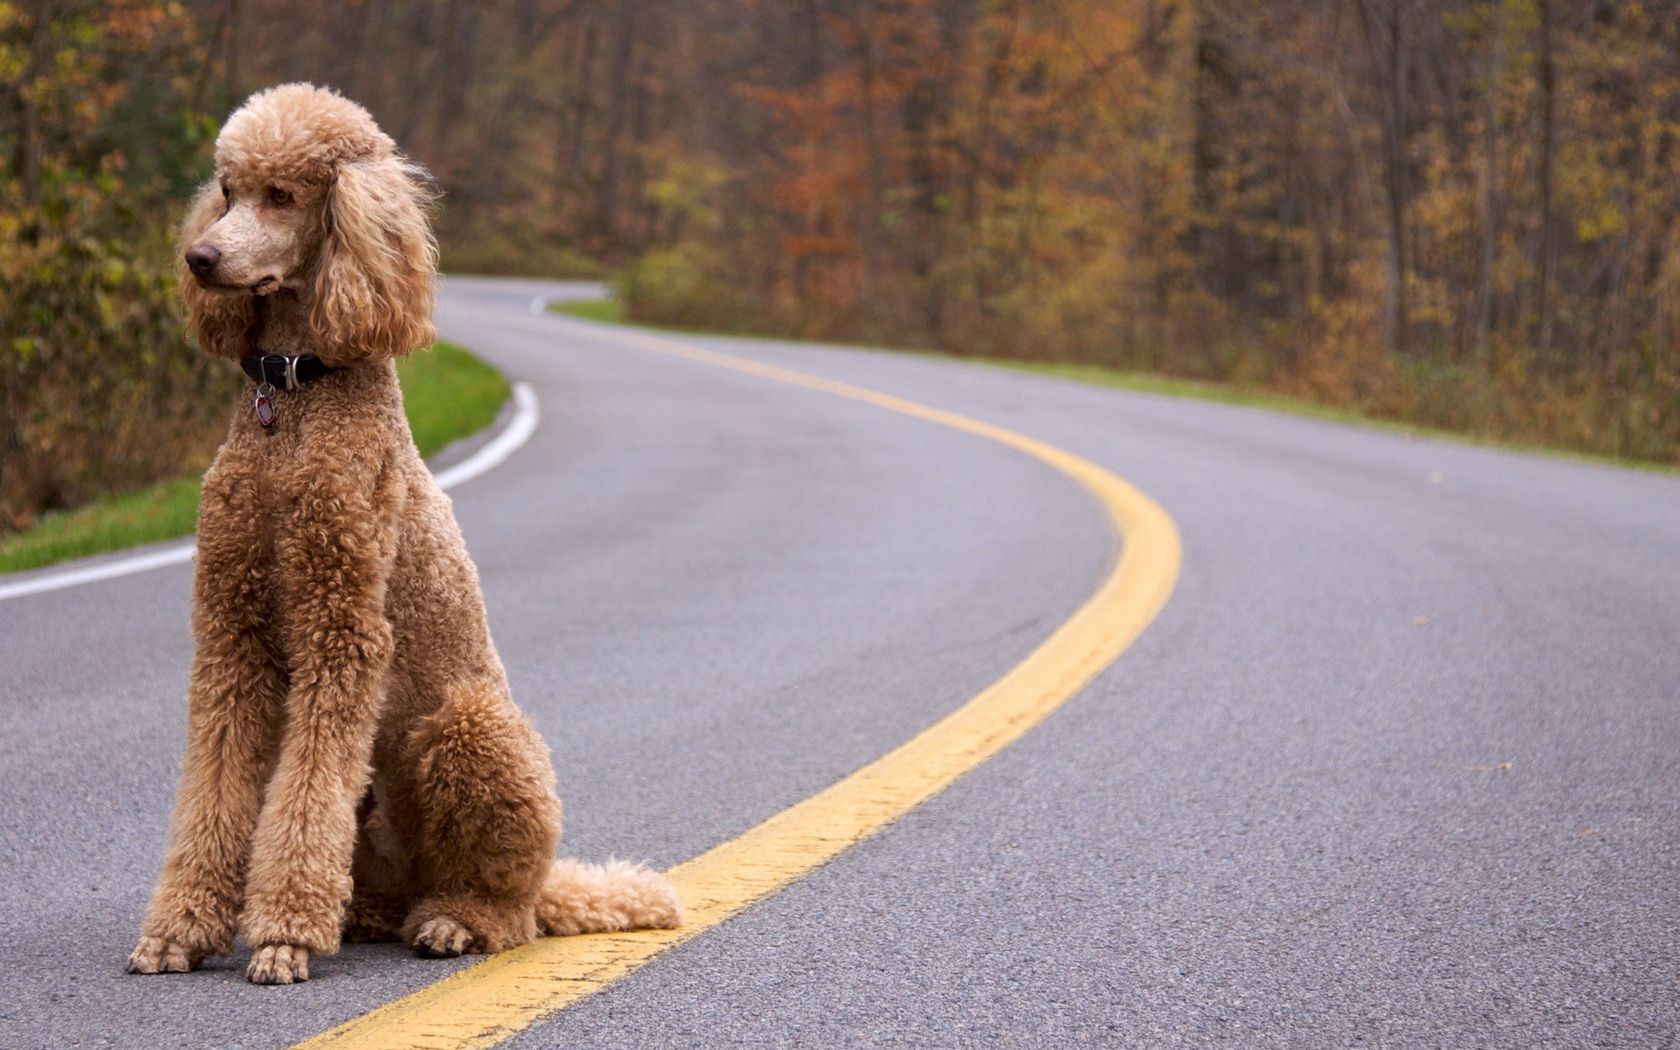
201,259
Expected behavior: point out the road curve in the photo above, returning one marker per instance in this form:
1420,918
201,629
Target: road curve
1398,763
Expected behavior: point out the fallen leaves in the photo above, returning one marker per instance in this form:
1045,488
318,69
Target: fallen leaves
1492,767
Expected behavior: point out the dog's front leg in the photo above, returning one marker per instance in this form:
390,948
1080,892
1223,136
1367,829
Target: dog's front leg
233,712
333,563
231,707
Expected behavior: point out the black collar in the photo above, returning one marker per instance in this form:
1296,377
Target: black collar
283,371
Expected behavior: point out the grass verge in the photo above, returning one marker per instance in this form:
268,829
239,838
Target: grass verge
606,310
610,311
447,392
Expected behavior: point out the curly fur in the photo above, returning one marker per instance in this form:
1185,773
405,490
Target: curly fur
355,766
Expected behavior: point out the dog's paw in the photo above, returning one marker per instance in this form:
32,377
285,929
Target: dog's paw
278,964
161,955
442,938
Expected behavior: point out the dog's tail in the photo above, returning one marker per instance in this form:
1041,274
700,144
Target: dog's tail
600,898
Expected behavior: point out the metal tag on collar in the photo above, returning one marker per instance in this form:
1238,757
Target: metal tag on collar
263,406
289,363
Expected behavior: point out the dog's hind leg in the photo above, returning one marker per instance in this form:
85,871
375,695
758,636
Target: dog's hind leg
489,824
380,872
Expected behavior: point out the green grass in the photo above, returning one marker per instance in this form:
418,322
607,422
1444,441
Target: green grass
448,394
1150,383
611,311
1200,390
157,512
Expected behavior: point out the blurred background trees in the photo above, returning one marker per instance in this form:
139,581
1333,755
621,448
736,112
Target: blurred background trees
102,133
1455,212
1460,212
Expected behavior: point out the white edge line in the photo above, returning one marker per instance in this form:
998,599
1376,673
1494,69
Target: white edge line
172,555
518,431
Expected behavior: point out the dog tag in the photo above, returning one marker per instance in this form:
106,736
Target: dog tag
264,405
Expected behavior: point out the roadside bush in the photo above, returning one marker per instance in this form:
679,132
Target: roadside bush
512,252
99,389
676,286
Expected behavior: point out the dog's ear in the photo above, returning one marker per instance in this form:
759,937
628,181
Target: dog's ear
218,322
375,275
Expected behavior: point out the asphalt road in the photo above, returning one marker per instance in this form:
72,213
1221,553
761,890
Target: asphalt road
1398,765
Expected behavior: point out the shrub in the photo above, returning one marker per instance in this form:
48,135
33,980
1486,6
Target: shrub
99,390
676,286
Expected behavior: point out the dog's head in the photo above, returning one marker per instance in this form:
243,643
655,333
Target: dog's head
311,198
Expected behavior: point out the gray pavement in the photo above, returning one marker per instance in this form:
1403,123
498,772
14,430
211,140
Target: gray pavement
1399,764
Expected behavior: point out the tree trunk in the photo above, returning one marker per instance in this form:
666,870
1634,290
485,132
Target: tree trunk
1386,40
871,218
1548,130
606,197
1489,203
27,163
576,112
231,88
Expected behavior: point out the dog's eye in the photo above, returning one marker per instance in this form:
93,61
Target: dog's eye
278,197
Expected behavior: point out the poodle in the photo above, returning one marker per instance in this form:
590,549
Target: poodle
355,767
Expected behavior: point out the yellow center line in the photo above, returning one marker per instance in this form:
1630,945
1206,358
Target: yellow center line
487,1003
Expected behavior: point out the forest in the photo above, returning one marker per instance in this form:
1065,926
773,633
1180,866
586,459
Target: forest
1461,214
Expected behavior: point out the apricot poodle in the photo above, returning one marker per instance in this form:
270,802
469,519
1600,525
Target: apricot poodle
355,766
